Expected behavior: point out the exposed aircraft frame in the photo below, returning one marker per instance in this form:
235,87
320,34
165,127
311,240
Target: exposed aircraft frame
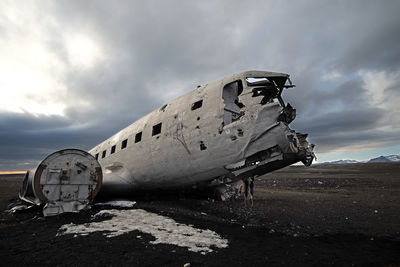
218,133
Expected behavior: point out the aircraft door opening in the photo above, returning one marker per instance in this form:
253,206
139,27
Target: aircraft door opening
230,96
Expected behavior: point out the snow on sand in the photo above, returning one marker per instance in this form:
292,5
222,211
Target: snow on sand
164,229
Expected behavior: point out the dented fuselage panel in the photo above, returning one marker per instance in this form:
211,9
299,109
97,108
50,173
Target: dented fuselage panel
232,128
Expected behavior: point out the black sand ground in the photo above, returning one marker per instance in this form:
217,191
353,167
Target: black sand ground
323,215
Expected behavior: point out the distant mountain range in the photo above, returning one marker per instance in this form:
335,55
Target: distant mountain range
390,158
384,159
345,161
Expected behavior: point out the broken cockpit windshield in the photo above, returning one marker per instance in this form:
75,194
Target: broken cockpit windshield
271,89
263,87
268,87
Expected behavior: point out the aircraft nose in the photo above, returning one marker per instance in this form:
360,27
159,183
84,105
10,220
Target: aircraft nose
305,149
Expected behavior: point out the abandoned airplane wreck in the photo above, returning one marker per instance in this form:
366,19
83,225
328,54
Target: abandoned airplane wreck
217,134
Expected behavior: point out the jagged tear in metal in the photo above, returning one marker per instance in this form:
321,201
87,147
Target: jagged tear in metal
211,137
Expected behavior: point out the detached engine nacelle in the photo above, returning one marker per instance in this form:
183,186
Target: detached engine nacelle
65,181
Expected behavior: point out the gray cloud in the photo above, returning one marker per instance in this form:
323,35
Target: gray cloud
25,137
376,47
344,116
155,51
338,129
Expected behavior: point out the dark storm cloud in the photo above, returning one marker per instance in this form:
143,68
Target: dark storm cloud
311,101
379,53
28,138
368,139
338,116
17,122
155,51
377,46
153,48
342,122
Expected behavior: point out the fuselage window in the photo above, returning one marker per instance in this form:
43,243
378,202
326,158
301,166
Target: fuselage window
124,144
157,129
138,137
97,156
197,104
103,155
113,149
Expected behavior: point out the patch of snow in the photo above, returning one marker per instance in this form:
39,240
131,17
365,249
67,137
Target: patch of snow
394,158
164,229
379,160
20,208
390,158
345,161
118,203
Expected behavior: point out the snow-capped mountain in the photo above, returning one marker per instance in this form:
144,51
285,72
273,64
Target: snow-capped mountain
390,158
345,161
394,157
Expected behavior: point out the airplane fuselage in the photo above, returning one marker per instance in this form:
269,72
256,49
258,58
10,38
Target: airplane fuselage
234,127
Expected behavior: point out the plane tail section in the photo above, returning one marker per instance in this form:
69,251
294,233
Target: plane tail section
65,181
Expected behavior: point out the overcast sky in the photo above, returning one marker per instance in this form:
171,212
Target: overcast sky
72,73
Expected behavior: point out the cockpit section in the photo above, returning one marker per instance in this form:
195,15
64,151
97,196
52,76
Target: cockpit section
269,87
255,90
255,99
